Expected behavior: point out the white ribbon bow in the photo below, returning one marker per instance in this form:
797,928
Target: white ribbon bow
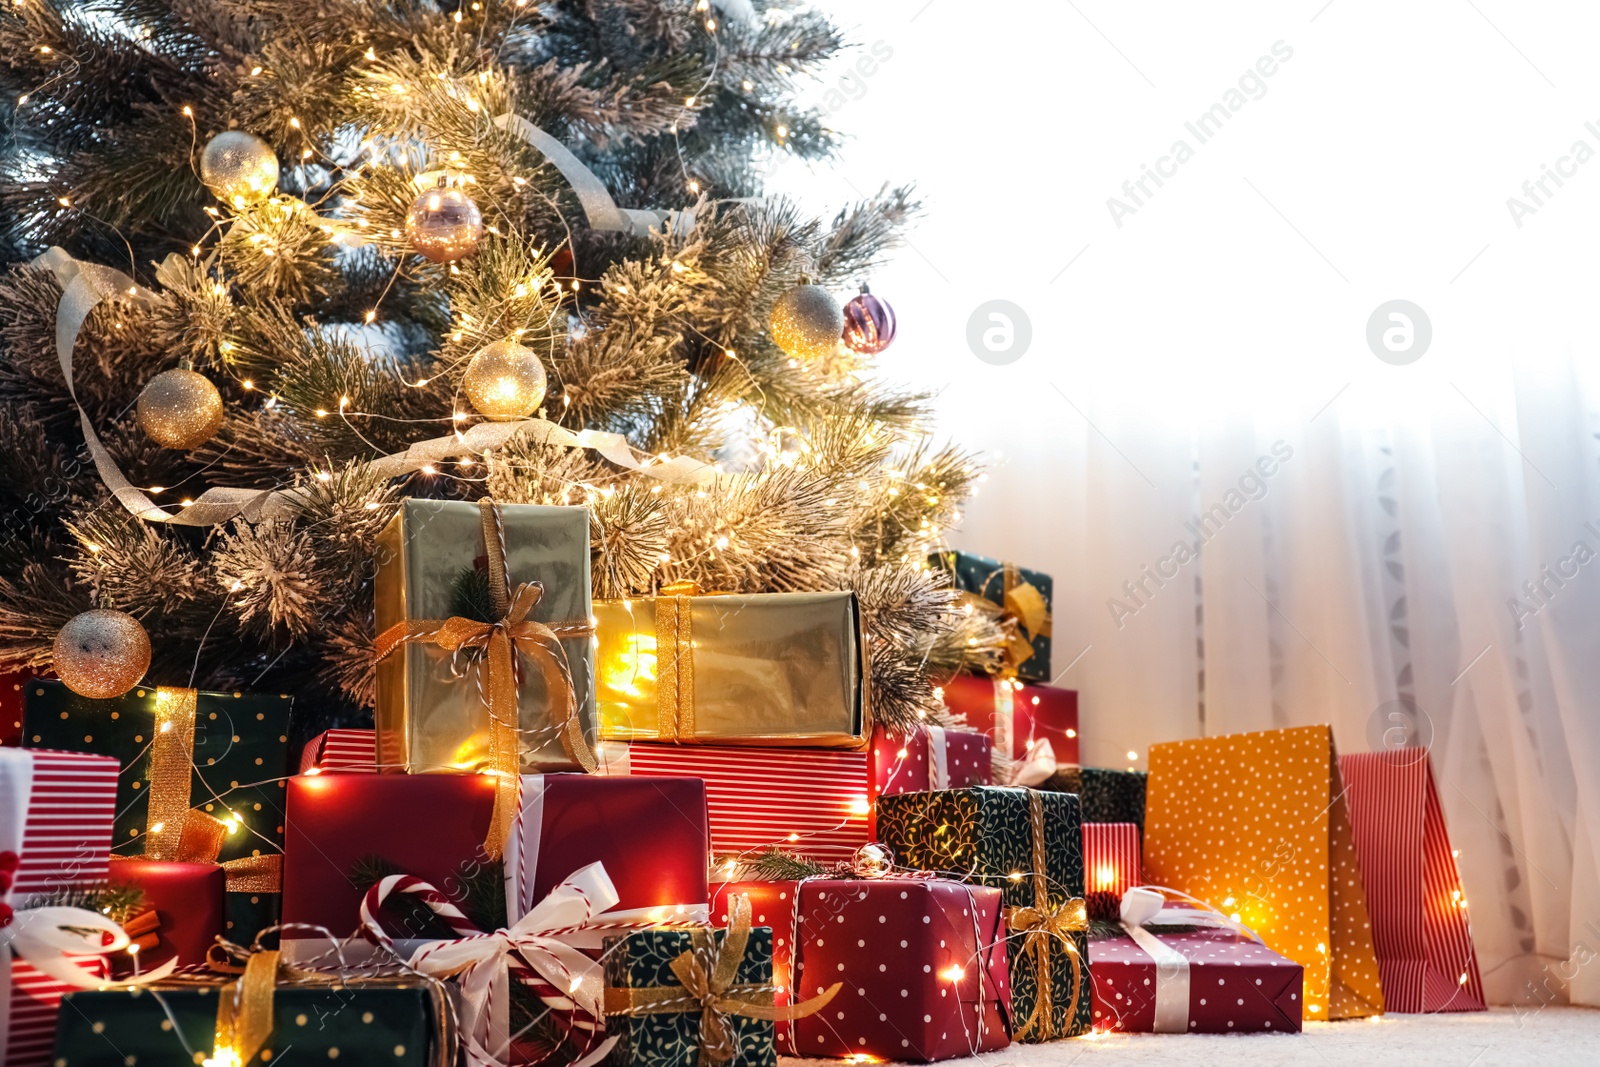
482,960
1147,906
48,939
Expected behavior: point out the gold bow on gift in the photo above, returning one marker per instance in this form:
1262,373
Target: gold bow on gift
511,631
706,973
176,832
1021,613
1041,924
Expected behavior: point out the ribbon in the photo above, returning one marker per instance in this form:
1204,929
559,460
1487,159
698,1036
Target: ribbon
675,662
1146,906
176,832
938,758
1021,613
705,972
567,981
85,285
512,631
1040,924
601,211
1039,763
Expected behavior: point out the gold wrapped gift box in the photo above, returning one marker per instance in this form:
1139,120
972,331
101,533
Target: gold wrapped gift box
432,564
756,669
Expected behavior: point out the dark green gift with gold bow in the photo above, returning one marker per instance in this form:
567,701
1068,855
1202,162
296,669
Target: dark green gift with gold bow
203,779
696,997
1017,598
1028,844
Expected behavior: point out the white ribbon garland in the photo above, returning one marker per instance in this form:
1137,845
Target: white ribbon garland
85,285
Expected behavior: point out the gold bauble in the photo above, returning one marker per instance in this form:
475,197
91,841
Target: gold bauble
240,168
180,408
101,654
806,322
504,381
444,225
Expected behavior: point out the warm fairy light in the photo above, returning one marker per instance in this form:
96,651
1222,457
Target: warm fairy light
1072,733
427,468
860,806
783,131
952,974
372,316
187,110
255,72
1132,754
133,949
158,827
295,123
1015,876
248,384
222,1057
1322,948
1460,981
794,837
1234,916
901,754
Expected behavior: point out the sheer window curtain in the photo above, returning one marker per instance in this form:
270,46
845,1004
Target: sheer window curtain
1370,572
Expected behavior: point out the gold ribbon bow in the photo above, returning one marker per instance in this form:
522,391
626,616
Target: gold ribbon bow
1041,924
511,631
1022,613
176,832
244,1010
706,973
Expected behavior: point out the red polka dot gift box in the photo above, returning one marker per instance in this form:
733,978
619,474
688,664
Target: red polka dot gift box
922,963
929,757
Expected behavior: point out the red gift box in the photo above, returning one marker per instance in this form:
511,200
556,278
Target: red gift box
188,903
1111,857
1196,982
922,962
928,758
649,832
809,801
1019,719
56,812
1426,960
341,750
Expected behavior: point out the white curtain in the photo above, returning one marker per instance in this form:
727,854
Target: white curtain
1354,562
1171,349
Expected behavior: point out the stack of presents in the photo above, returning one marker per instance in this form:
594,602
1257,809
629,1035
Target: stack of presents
665,832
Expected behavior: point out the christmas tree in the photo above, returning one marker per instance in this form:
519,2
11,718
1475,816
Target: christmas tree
529,243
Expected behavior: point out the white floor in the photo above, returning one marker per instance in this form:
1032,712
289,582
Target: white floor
1558,1037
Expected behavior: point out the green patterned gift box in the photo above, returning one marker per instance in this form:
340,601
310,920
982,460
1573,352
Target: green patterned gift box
396,1023
203,779
1015,596
1029,844
1106,795
658,1017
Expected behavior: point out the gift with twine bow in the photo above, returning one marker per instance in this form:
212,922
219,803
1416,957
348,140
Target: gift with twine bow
688,667
1016,598
726,981
1030,845
429,716
202,778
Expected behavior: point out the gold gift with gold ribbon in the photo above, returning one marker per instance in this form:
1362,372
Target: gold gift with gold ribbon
756,669
484,651
722,981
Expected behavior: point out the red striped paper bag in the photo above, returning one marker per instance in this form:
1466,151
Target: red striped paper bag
1419,918
1111,857
341,750
56,810
809,801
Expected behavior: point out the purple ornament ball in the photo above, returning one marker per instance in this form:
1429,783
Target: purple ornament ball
868,324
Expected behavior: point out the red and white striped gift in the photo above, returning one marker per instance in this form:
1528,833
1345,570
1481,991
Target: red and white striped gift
1426,960
809,801
1111,857
56,810
341,750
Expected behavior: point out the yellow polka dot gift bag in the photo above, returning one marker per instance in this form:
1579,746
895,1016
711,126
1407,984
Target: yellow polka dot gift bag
1256,826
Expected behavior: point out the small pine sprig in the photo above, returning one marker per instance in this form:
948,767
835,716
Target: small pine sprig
772,865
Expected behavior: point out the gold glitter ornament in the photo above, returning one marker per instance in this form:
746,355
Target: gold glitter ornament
101,654
180,408
504,381
444,225
807,321
240,168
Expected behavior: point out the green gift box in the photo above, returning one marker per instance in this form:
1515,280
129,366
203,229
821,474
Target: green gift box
1018,597
400,1023
1106,795
208,788
657,1021
1029,844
